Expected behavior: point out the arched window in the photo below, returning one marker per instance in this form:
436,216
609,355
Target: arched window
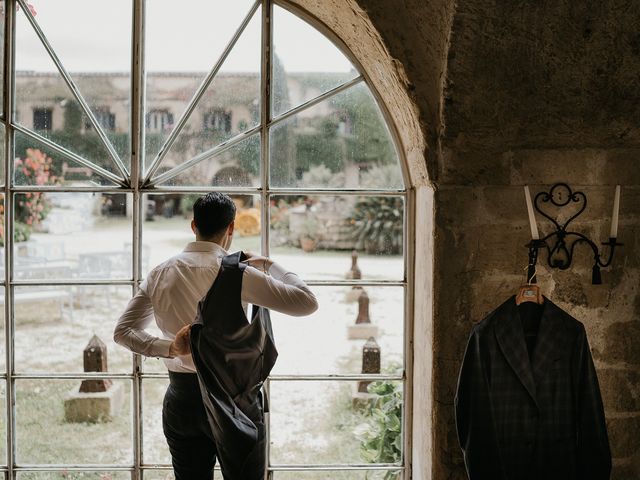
111,128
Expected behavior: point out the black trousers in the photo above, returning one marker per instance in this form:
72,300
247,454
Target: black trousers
186,428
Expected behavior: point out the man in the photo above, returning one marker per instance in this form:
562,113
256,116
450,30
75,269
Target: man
170,295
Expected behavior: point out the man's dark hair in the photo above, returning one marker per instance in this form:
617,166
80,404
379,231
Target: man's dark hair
213,213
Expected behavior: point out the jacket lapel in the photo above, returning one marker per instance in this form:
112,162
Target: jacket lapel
511,340
550,341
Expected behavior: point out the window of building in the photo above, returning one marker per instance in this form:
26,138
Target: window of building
42,119
159,120
105,118
315,173
218,120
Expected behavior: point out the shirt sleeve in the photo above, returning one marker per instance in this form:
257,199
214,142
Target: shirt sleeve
130,329
279,290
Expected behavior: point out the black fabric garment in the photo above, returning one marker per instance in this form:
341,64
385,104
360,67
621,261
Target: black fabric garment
530,316
185,426
233,357
518,419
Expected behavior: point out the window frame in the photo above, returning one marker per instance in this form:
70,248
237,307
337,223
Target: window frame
140,181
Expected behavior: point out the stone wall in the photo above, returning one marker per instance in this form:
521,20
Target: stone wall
481,229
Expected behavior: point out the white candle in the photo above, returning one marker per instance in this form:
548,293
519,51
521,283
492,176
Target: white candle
532,218
614,215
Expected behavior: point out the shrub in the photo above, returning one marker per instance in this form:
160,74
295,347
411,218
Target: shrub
31,208
381,435
377,224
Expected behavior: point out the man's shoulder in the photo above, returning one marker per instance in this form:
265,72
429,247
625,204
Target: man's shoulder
185,259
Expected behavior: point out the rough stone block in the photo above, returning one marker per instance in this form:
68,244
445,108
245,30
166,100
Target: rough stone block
620,390
93,407
624,436
362,331
621,167
546,167
621,343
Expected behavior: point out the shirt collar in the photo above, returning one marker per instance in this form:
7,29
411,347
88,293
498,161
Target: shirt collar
201,246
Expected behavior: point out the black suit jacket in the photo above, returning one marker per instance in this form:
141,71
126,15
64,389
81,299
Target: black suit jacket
536,419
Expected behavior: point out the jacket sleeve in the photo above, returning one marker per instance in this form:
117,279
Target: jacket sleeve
474,417
594,455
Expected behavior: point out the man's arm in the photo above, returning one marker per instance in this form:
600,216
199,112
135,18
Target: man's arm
278,290
130,331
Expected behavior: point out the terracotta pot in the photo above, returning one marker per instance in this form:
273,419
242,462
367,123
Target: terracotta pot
307,244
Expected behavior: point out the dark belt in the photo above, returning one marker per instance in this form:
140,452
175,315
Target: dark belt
184,381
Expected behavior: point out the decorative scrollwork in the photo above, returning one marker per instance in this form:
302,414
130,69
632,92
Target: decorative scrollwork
560,243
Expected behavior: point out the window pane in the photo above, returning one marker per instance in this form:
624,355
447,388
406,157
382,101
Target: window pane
300,74
50,405
68,475
74,314
2,177
2,334
2,6
3,422
229,106
37,164
340,142
204,28
322,423
168,475
167,226
340,475
317,235
238,166
155,449
45,104
72,235
335,342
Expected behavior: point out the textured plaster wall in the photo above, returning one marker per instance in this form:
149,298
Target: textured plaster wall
537,93
487,96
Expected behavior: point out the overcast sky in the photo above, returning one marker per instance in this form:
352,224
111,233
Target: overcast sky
184,35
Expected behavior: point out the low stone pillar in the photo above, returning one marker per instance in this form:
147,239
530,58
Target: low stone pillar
97,400
363,328
370,365
354,274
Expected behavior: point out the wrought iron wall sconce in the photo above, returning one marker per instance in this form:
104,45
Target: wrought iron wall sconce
560,243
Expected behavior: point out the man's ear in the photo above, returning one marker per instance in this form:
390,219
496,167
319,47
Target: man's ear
231,227
193,227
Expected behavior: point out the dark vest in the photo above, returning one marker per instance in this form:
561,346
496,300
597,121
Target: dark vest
233,358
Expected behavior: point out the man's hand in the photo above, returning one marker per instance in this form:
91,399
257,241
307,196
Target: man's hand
258,261
181,345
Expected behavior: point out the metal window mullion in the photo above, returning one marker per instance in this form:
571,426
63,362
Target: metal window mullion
69,189
74,90
69,282
72,468
72,376
70,155
199,93
409,225
265,118
138,88
338,467
8,102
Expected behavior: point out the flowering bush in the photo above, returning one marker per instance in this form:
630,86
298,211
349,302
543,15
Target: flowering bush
31,207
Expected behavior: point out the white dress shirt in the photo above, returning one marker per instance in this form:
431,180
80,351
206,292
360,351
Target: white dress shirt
170,295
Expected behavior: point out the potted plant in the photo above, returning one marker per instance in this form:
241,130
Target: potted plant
308,235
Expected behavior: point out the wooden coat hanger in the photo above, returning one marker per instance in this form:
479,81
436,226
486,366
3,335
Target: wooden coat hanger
530,292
